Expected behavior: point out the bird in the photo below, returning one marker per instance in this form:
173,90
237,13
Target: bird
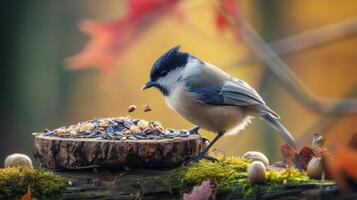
208,97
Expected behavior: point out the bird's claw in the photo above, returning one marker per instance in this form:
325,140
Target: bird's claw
199,157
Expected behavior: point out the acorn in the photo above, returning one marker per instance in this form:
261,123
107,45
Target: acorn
18,159
256,156
256,172
315,168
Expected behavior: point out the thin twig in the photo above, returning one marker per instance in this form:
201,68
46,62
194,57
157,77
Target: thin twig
306,40
325,122
315,37
288,79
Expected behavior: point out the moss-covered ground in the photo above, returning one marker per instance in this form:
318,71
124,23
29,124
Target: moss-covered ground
230,174
15,181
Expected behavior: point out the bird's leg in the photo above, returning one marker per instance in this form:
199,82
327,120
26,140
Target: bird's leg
194,130
204,152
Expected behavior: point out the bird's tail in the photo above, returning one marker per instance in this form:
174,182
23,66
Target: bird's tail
273,122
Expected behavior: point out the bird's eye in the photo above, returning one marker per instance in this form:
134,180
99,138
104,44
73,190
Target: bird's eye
163,73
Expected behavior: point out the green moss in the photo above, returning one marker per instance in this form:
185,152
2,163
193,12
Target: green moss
14,182
230,174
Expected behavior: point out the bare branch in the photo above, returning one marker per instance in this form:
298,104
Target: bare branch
315,37
288,79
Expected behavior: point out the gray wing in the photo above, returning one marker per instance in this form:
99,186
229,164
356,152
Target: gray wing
232,92
238,92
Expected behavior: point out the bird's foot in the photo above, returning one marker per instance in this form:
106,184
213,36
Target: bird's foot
194,130
200,156
210,158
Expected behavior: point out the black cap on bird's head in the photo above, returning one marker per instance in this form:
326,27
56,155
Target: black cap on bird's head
167,62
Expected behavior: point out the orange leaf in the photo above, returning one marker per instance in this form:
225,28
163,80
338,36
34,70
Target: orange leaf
27,196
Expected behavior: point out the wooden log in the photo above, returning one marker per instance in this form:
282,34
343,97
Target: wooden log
67,153
153,184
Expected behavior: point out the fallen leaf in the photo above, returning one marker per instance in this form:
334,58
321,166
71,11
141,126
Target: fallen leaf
201,192
303,157
289,154
27,196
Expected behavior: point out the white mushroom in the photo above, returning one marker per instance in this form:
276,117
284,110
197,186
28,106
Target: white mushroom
314,168
18,159
256,156
256,172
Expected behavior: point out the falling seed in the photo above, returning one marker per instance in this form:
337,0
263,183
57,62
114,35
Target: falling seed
147,107
131,108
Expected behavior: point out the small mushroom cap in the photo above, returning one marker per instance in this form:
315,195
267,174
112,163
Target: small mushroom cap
256,172
315,168
18,159
256,156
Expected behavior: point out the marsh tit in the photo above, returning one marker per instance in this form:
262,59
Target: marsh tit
209,97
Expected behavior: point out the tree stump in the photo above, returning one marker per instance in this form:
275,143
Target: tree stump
76,153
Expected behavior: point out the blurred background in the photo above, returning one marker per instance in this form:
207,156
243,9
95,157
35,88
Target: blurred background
44,86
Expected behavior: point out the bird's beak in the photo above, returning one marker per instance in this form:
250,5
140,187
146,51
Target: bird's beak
148,84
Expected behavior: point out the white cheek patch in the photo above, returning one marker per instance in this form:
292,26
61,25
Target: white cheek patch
170,80
192,67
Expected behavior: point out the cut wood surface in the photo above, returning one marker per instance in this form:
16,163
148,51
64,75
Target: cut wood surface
67,153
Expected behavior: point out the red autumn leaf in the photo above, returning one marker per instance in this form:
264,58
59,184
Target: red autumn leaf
303,158
111,40
299,159
201,192
27,196
226,9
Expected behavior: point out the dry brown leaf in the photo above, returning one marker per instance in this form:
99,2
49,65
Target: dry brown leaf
289,154
303,157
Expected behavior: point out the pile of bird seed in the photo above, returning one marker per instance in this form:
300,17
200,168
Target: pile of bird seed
117,128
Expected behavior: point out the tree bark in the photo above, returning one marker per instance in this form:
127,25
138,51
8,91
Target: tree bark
66,153
148,184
